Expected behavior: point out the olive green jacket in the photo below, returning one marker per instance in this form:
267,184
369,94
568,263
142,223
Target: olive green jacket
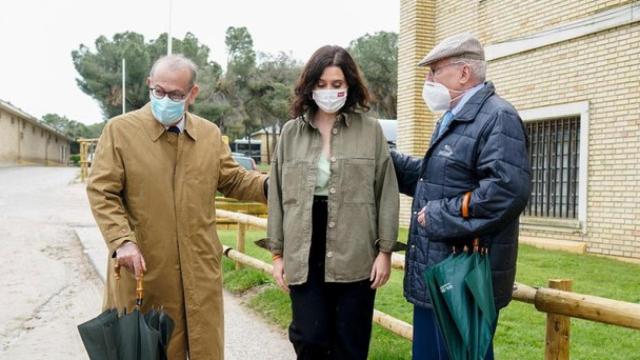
362,204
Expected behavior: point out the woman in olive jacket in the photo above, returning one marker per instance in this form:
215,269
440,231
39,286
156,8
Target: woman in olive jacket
333,209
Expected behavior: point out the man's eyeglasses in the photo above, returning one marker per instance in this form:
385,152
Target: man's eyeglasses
434,70
159,93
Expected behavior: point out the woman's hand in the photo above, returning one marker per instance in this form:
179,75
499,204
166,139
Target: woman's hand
278,274
381,270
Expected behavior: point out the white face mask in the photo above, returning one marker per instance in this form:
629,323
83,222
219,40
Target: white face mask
436,96
331,100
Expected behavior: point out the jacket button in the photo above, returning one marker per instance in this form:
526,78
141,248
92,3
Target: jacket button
415,213
329,254
332,190
333,159
421,179
332,224
334,131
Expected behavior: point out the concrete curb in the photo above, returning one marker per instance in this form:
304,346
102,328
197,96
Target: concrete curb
94,247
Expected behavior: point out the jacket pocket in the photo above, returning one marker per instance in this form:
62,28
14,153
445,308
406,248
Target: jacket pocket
358,181
291,178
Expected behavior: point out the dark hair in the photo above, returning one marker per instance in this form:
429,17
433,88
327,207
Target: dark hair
357,96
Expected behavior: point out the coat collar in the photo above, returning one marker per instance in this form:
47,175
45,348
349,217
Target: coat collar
473,105
154,129
468,112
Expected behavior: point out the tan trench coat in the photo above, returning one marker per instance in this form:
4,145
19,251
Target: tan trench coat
157,189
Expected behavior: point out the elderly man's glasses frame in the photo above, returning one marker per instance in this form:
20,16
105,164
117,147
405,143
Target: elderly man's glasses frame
433,71
159,93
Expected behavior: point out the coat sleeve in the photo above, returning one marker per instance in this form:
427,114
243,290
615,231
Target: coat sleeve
504,179
386,192
236,182
407,171
275,231
105,187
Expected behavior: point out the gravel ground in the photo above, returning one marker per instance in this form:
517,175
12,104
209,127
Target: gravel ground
49,283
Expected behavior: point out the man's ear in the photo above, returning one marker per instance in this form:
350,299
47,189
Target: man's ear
149,81
194,93
465,78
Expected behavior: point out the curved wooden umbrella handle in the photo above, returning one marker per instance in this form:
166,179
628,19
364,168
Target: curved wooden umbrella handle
116,270
139,291
139,284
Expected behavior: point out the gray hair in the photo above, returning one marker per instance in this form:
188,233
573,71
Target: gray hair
478,67
177,62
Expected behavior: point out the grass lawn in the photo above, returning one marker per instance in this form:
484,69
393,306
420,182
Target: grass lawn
521,328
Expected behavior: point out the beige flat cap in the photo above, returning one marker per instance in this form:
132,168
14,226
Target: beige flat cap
462,45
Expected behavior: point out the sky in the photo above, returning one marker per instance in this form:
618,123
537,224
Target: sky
37,37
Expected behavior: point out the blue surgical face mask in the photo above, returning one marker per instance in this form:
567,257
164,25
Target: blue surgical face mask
167,111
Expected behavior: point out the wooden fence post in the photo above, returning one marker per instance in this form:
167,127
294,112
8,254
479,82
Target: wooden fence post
558,328
240,235
83,161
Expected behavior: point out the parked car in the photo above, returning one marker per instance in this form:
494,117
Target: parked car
244,161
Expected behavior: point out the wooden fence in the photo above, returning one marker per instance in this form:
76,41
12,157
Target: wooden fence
557,301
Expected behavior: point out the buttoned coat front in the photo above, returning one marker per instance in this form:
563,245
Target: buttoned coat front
157,189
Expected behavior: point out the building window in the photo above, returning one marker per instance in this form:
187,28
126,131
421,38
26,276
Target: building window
554,153
558,154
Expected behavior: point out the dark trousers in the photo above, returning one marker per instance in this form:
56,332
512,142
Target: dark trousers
330,320
428,342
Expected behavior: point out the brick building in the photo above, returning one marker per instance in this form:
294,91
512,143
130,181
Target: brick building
572,69
25,140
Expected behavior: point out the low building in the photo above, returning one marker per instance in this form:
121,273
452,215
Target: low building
25,140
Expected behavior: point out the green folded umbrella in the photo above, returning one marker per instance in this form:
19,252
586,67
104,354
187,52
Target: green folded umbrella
462,296
452,337
132,336
480,285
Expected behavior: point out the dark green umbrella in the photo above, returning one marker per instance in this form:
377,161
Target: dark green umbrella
462,296
444,319
480,285
132,336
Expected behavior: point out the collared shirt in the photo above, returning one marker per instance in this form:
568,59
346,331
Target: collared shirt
363,204
467,95
179,125
451,113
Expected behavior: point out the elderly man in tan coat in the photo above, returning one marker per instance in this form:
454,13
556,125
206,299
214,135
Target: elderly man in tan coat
152,188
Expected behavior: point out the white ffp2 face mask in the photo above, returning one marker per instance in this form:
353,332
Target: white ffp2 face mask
436,96
331,100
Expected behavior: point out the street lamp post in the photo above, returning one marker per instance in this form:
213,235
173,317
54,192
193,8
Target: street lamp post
124,89
169,38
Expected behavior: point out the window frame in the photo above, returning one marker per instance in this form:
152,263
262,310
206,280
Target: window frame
580,109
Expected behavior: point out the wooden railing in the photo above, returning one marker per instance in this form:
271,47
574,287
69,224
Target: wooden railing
557,300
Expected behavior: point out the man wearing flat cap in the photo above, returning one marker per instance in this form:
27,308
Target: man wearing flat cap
473,181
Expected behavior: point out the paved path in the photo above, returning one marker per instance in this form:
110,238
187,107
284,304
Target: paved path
52,257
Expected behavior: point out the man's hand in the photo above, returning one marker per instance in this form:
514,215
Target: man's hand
129,256
278,274
422,217
381,270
